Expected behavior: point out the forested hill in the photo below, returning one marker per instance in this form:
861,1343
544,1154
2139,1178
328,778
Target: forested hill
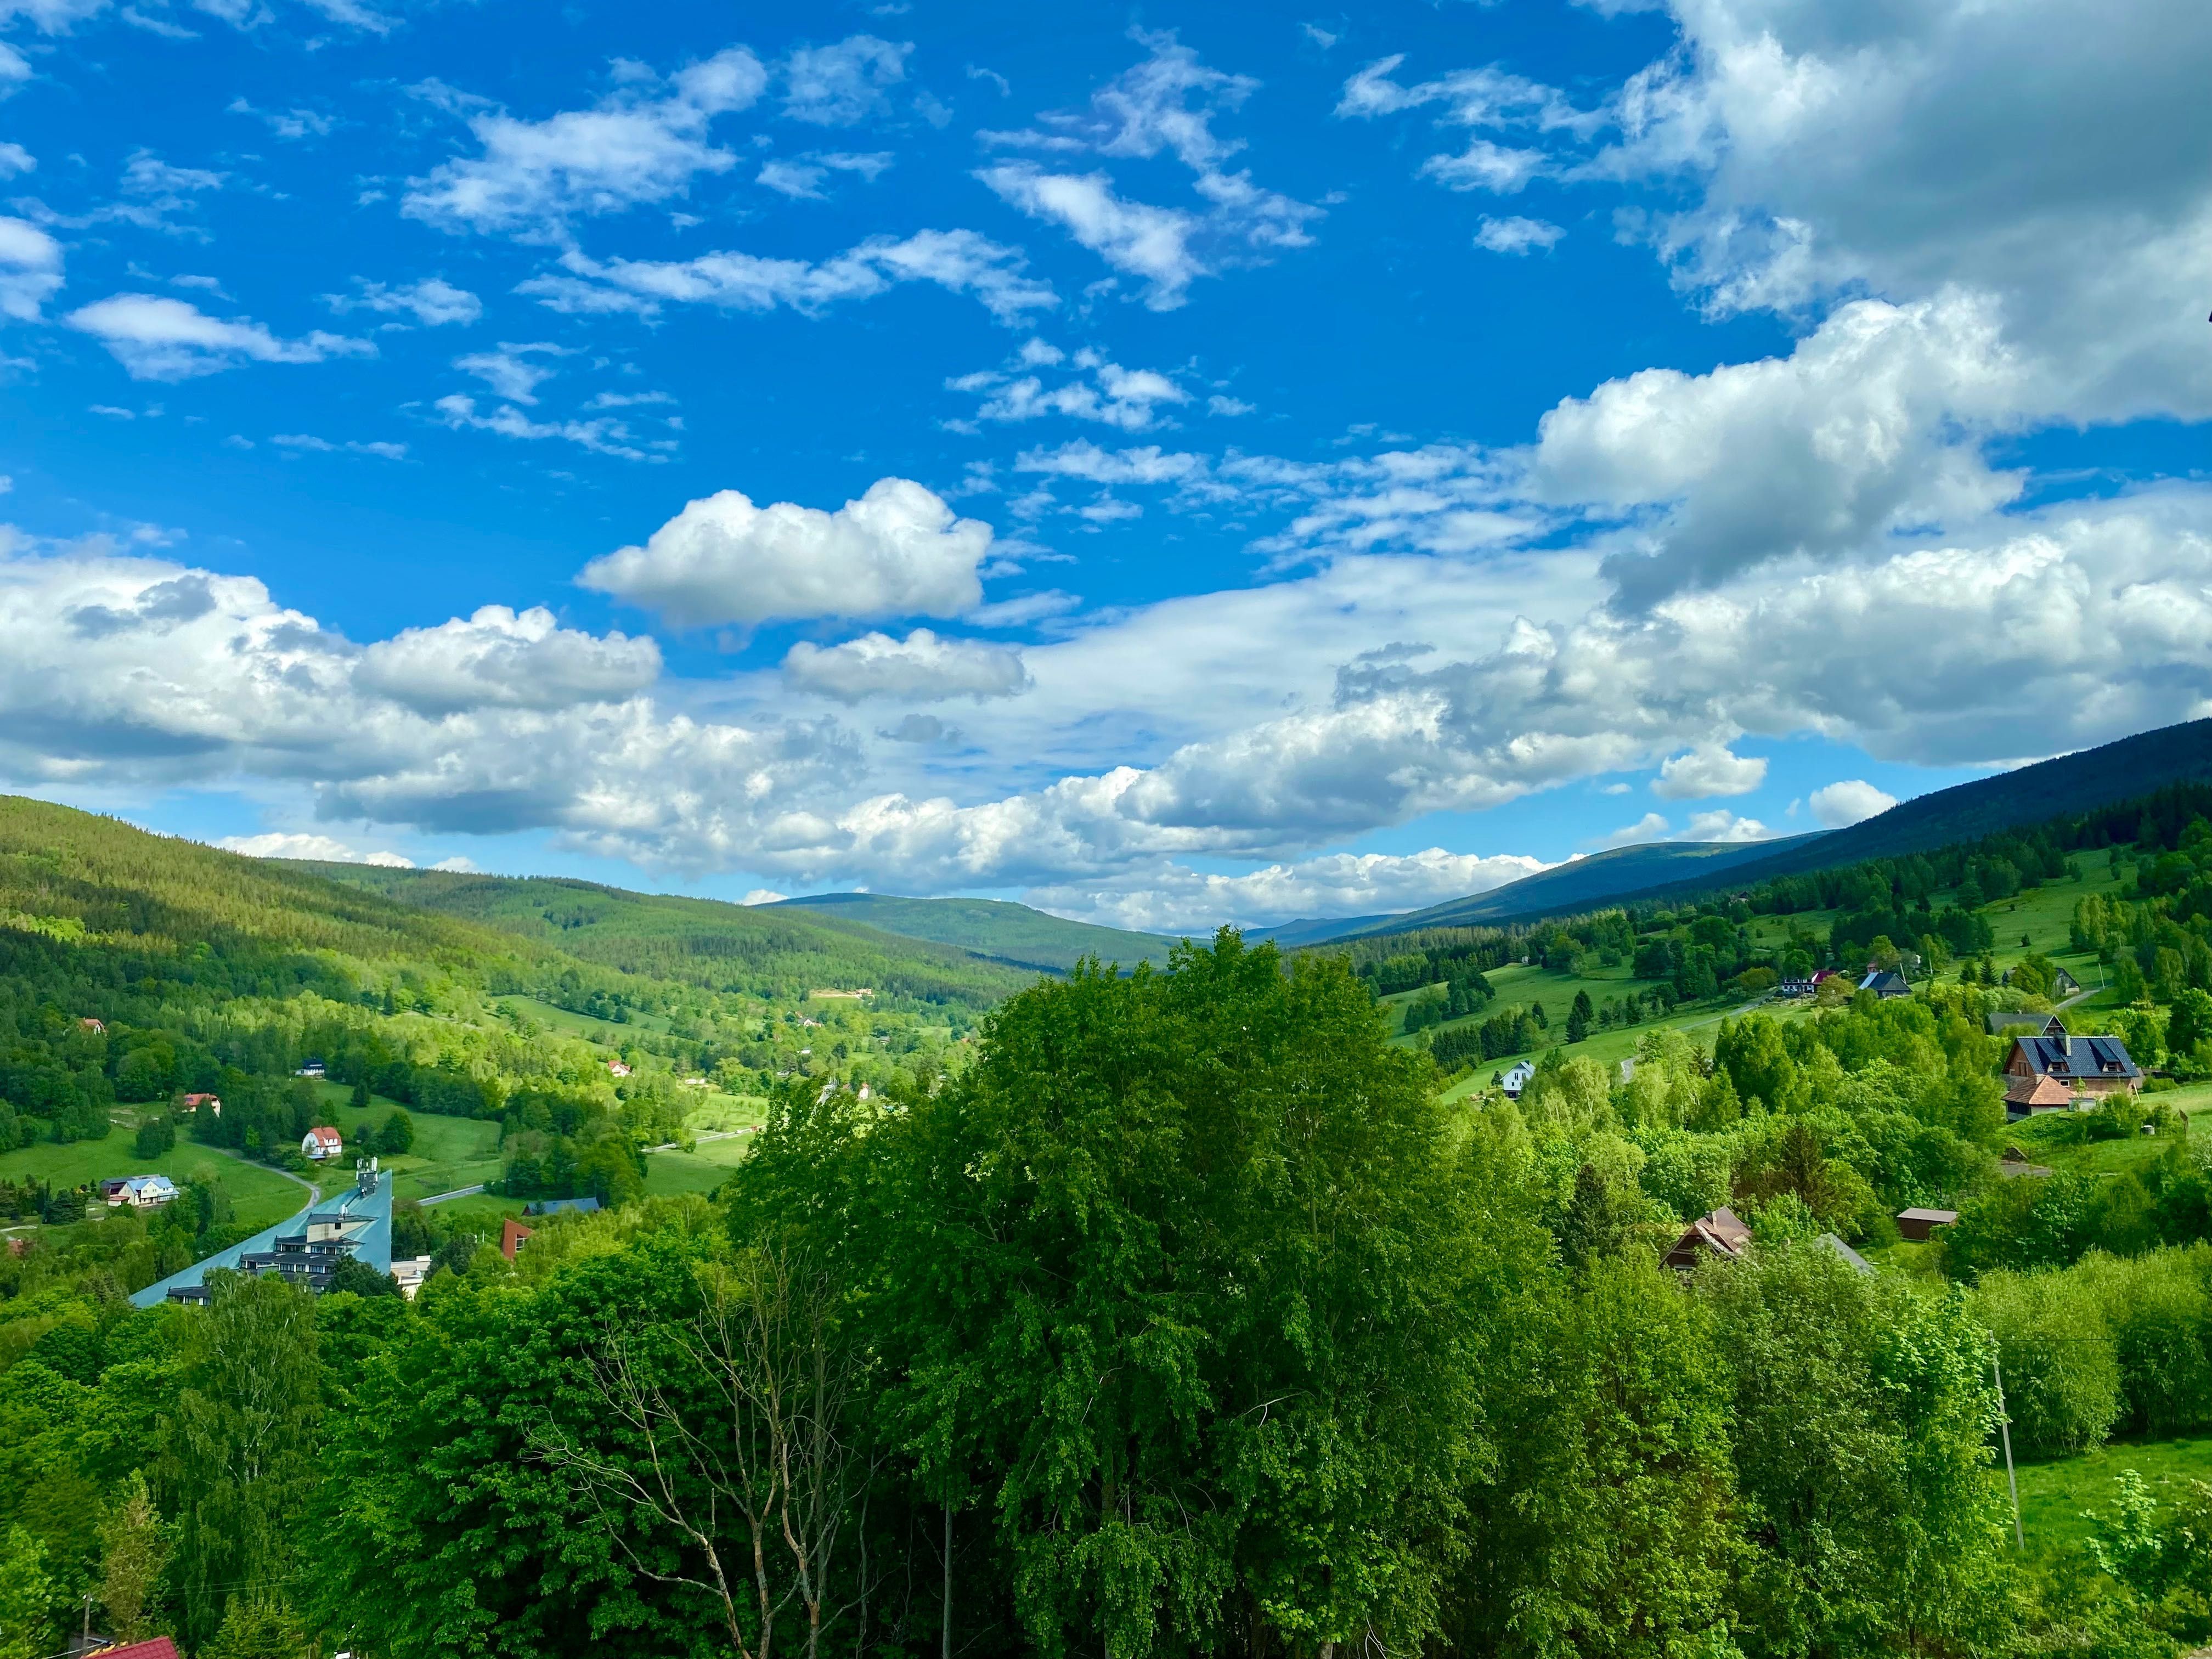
79,876
760,950
1003,932
1601,878
2064,787
2050,790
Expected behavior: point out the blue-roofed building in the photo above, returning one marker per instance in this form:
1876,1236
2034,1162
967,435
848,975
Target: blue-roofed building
357,1222
562,1206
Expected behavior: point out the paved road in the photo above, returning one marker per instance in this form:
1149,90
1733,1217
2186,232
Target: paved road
458,1192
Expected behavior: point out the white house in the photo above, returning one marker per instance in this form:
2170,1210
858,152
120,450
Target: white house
410,1272
1517,1079
139,1192
322,1143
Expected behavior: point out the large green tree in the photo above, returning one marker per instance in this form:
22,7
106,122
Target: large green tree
243,1445
1609,1528
1864,1408
1184,1280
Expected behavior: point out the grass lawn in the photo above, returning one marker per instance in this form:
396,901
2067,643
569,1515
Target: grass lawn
448,1151
700,1170
2054,1495
2045,914
1919,1260
261,1195
587,1026
2051,1138
718,1111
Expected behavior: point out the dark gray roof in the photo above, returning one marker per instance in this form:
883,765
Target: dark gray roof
2069,1058
1851,1258
555,1205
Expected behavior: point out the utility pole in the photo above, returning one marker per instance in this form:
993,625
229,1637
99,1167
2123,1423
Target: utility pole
945,1635
2004,1428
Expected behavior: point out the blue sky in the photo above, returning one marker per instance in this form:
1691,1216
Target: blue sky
1171,465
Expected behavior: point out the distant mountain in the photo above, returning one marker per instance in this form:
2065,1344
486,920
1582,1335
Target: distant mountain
1966,811
1601,878
762,950
1312,931
991,928
1669,872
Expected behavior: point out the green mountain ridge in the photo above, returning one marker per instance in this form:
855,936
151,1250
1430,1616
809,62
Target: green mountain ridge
995,929
1579,884
763,949
2079,783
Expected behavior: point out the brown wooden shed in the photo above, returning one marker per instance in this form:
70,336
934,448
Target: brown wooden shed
1920,1224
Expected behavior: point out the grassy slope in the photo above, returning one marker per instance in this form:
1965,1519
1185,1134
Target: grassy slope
261,1195
590,1027
449,1152
700,1170
1004,933
2055,1494
453,1152
1518,986
760,949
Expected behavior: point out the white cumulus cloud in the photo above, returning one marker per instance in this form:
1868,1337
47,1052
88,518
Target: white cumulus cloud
500,658
1173,899
1517,236
432,301
1708,770
920,668
1840,805
898,551
836,86
323,848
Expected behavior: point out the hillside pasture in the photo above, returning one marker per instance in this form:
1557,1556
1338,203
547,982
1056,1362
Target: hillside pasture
260,1195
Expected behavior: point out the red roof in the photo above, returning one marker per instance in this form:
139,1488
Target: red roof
2045,1091
159,1648
327,1137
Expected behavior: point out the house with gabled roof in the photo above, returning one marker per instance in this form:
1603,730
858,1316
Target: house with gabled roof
1722,1234
2087,1067
322,1142
2031,1097
146,1192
